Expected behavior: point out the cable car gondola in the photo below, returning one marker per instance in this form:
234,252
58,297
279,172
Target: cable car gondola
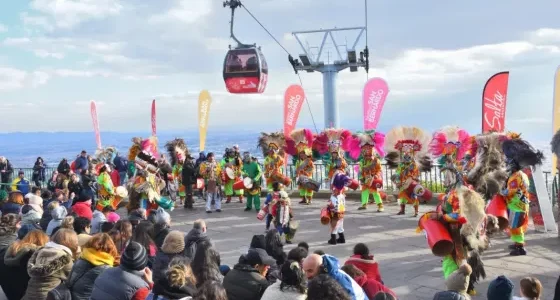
245,69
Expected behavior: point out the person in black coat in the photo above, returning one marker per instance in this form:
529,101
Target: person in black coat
6,171
189,178
39,172
63,167
75,187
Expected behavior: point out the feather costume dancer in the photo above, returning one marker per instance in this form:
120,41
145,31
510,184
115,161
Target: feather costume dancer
462,209
272,144
178,152
329,145
519,155
336,206
299,145
145,186
282,216
367,148
407,149
233,162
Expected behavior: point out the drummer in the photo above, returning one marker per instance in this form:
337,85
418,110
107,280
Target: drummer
252,172
233,162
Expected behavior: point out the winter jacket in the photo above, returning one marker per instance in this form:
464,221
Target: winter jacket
372,286
57,214
164,291
76,188
11,208
6,176
21,184
273,292
81,163
119,283
29,222
87,180
13,271
63,168
368,266
120,164
96,222
189,172
7,236
39,172
330,263
85,272
47,268
83,209
46,218
192,240
245,283
160,232
450,295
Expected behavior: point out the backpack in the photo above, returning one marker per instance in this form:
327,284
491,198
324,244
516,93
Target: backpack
60,292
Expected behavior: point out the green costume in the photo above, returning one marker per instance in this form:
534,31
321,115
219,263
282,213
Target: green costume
228,186
253,170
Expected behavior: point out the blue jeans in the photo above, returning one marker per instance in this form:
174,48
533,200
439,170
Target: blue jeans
122,175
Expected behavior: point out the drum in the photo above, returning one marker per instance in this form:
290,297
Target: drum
353,184
325,216
374,182
262,213
414,188
239,185
281,178
498,208
309,183
248,183
230,173
439,239
200,183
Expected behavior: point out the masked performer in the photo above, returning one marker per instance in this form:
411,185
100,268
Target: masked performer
336,207
106,190
406,149
367,148
178,152
272,145
462,209
144,188
211,171
329,145
252,171
519,155
298,145
232,166
281,212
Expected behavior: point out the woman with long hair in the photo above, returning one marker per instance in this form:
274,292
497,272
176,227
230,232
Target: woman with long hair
13,264
206,264
292,286
121,234
275,249
51,264
39,172
211,290
178,281
142,234
98,254
14,203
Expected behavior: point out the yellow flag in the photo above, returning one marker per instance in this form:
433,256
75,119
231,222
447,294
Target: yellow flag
556,114
204,101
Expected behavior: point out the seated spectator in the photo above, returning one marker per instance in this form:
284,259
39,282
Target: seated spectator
195,237
370,286
98,254
500,288
142,234
47,215
211,290
206,264
136,216
161,226
82,206
530,288
21,183
82,227
8,230
247,280
178,281
36,202
275,249
98,217
298,254
106,227
131,280
29,221
58,214
304,245
292,285
365,262
173,245
324,287
121,234
14,203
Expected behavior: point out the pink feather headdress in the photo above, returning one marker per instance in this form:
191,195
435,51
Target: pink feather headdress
300,140
355,144
330,140
451,141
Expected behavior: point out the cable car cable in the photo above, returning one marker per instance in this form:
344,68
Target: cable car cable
366,50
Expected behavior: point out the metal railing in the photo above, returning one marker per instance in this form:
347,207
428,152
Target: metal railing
431,180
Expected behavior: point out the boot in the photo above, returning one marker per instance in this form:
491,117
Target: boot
240,199
512,246
303,200
332,241
415,211
519,250
307,200
401,212
228,199
363,207
380,207
341,239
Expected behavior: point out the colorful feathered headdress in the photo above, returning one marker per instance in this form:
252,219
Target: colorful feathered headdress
106,155
407,143
330,140
271,141
367,143
299,141
178,150
451,143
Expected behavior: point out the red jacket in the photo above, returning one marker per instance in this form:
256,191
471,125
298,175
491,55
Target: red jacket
82,209
368,266
115,178
372,287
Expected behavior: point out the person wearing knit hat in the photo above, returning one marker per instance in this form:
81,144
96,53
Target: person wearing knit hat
174,242
457,284
82,206
113,217
134,257
36,202
500,288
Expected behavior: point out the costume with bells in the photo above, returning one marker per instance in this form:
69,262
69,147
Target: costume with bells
282,216
299,145
329,145
178,152
233,162
462,208
272,144
252,170
336,206
212,174
406,149
367,148
145,186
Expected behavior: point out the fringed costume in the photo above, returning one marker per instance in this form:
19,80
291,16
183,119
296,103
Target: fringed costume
299,145
178,152
211,171
105,189
253,175
367,148
232,167
462,209
282,216
272,144
519,155
407,149
329,145
144,187
336,206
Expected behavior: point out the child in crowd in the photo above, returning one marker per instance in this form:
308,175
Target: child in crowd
530,288
364,261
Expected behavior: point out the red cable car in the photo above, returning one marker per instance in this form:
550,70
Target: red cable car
245,69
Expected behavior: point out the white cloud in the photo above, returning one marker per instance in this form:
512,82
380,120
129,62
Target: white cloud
3,28
185,12
45,54
13,79
69,13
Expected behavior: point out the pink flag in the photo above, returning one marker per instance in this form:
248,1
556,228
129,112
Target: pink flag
93,110
154,117
375,94
293,100
494,100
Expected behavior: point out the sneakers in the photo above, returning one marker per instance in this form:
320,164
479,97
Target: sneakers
519,250
218,210
380,208
208,211
248,209
363,207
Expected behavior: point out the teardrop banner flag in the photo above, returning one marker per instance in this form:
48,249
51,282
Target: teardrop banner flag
556,115
93,109
204,101
374,97
494,100
293,101
154,117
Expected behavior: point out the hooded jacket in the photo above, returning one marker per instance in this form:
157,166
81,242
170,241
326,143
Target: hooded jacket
57,214
368,266
29,222
164,290
330,264
96,222
13,271
371,286
245,283
85,271
160,232
193,238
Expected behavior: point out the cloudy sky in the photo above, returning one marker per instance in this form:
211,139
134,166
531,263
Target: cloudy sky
57,55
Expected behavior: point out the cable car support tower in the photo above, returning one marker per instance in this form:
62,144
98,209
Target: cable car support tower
307,62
